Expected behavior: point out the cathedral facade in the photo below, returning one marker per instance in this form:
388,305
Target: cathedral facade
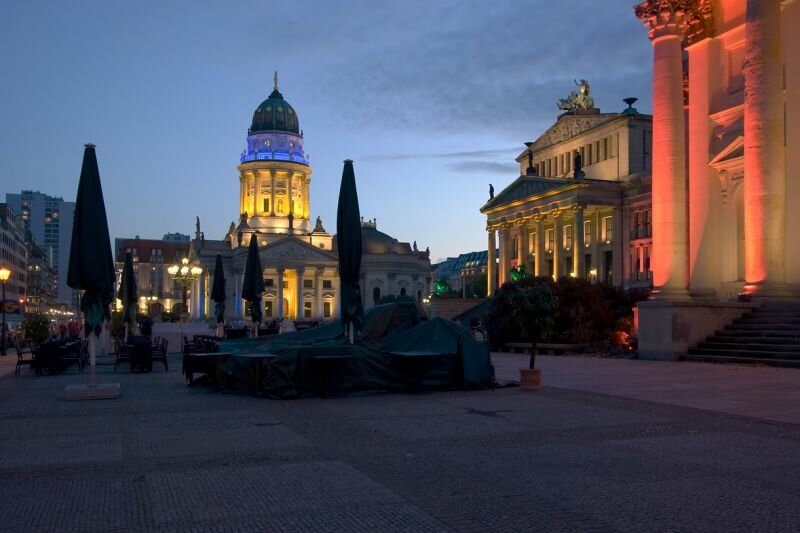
299,258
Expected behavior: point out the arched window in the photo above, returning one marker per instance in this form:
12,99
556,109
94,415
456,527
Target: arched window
403,291
376,295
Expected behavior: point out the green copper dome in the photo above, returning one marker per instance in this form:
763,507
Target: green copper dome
275,114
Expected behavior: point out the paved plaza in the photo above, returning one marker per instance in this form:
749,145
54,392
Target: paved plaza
583,454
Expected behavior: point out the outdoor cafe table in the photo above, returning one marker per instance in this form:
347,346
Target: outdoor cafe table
49,356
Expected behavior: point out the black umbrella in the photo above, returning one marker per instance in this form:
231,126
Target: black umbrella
127,293
348,242
253,286
218,291
91,264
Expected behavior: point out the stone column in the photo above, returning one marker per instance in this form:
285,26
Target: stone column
502,270
538,260
491,263
280,293
558,246
578,263
242,192
318,293
616,247
272,193
665,20
791,56
299,298
764,155
595,247
259,205
253,206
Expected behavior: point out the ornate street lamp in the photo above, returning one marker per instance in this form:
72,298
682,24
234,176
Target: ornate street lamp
184,275
4,275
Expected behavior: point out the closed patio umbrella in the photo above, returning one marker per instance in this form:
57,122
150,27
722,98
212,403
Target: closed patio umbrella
91,264
253,285
127,293
348,242
218,295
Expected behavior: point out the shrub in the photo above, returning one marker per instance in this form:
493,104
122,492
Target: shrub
36,329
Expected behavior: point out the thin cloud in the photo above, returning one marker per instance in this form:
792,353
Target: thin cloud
484,167
501,152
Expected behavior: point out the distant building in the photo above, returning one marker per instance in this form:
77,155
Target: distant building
48,221
176,237
42,293
581,205
299,258
14,256
151,258
466,273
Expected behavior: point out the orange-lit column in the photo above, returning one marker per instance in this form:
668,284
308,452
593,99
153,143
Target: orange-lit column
491,263
664,21
764,157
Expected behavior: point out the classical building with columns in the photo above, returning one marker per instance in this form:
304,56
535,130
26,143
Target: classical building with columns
726,172
581,205
299,259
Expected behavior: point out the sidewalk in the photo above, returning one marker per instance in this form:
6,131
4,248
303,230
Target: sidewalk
751,391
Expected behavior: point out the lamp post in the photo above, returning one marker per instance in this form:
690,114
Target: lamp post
4,275
184,275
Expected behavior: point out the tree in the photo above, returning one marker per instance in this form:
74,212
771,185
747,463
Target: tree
533,311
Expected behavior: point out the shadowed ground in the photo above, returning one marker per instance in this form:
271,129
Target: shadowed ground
577,456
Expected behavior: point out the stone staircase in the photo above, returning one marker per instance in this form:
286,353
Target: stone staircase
768,335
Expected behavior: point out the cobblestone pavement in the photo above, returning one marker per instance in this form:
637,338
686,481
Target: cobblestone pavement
167,457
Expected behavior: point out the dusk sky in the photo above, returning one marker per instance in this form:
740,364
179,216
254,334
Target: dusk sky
432,100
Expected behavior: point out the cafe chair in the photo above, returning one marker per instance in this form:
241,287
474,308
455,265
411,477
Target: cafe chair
21,360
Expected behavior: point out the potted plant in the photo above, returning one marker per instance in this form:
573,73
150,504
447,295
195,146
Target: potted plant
532,312
36,329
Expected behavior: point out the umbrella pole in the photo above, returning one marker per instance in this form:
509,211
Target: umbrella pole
126,333
92,353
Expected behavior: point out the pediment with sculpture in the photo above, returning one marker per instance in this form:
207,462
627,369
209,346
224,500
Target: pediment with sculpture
567,127
292,249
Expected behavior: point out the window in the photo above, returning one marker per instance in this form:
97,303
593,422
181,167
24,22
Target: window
549,238
269,282
285,284
327,284
376,295
589,156
608,229
646,262
308,283
648,231
326,309
268,308
306,309
568,237
403,291
587,233
605,148
266,205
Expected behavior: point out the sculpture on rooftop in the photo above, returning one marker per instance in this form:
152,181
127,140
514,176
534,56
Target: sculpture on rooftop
579,99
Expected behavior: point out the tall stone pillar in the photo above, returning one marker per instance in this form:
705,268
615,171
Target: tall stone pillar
618,252
502,269
299,299
318,294
706,248
791,60
578,262
491,264
666,21
558,247
764,155
258,204
538,259
280,292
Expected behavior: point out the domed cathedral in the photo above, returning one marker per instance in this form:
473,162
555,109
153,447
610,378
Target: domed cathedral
274,176
299,262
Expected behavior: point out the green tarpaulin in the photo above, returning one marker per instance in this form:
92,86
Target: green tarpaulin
397,350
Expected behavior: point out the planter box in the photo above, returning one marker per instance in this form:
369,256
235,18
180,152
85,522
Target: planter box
530,379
